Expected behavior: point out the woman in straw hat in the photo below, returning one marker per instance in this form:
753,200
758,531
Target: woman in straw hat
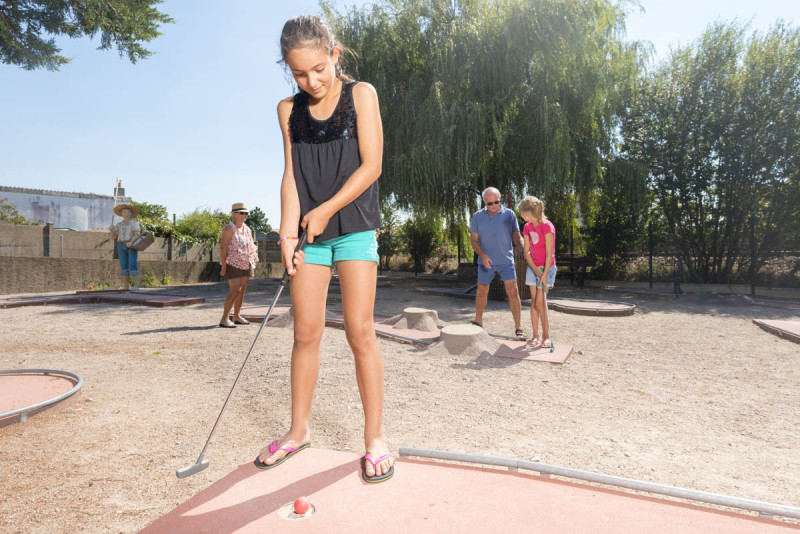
125,233
238,256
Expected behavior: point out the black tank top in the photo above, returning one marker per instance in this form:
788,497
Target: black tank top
324,155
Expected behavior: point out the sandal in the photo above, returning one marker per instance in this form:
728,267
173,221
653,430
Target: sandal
545,344
476,323
533,343
227,324
241,320
273,448
377,478
520,334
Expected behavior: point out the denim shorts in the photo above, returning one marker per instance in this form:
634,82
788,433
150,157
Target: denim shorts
507,271
128,259
533,279
356,246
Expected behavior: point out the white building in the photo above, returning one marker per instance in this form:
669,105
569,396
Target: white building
76,211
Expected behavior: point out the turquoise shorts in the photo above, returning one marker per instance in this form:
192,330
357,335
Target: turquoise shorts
357,246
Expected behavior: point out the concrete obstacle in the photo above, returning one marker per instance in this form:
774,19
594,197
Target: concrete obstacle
286,319
465,340
416,319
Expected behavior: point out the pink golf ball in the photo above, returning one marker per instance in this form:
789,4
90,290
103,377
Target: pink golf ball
301,505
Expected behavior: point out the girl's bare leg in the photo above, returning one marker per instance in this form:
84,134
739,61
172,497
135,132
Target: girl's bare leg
542,313
309,290
534,313
358,280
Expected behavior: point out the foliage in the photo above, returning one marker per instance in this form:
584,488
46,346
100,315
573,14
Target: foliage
201,226
518,94
717,128
420,236
388,236
10,215
28,28
148,279
257,221
615,224
153,218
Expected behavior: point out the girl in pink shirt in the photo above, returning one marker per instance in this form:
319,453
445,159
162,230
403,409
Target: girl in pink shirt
540,246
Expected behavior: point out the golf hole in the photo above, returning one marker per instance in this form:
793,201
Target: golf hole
287,512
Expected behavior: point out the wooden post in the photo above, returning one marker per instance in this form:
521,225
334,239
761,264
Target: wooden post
650,240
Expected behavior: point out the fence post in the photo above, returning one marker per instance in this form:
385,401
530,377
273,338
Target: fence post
650,241
47,237
752,254
572,255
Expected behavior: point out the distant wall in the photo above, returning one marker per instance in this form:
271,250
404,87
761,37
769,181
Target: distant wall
38,275
37,259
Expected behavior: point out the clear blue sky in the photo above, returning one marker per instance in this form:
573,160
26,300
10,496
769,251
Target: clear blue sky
195,125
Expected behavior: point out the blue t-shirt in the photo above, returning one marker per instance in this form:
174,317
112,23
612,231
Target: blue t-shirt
494,234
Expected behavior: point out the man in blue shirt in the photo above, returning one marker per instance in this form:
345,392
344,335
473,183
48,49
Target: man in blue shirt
492,232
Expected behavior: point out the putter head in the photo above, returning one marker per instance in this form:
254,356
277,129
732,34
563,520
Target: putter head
191,469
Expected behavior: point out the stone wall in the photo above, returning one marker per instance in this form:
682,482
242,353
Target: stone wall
45,275
35,259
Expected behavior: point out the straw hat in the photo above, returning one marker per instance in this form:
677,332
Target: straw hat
119,207
240,208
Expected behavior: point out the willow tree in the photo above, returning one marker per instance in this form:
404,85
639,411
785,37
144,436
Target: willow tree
517,94
717,127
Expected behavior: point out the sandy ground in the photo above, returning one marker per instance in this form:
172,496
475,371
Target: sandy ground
688,393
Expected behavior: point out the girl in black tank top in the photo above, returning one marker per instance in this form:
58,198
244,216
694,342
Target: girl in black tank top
333,142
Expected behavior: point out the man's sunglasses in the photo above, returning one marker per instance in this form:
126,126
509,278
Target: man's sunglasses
493,203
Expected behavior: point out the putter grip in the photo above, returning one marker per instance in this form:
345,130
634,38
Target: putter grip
300,245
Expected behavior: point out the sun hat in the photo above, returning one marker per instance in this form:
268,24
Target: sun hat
119,207
239,207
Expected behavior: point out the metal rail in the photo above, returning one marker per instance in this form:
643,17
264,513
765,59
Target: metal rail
23,412
763,508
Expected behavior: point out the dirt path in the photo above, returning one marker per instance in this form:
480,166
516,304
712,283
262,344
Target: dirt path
687,393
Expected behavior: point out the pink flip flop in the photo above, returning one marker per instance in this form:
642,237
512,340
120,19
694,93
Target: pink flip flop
372,479
273,448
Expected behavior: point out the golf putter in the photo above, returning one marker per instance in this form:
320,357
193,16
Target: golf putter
201,462
547,313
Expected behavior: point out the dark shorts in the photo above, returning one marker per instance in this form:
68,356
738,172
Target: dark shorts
232,272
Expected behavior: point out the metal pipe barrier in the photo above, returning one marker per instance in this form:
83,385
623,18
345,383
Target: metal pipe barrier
764,508
23,412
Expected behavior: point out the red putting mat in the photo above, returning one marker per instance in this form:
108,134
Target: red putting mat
19,391
145,298
788,329
431,497
518,350
574,306
255,314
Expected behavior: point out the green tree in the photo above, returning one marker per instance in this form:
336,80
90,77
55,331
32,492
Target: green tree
388,236
28,28
10,215
201,226
257,221
154,218
420,236
519,94
717,129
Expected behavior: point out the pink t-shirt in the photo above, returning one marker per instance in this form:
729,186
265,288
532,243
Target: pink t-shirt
536,235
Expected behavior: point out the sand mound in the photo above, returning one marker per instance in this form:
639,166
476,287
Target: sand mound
416,319
464,340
